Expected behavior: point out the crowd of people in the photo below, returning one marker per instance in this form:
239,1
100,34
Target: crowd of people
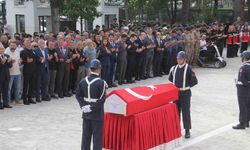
41,67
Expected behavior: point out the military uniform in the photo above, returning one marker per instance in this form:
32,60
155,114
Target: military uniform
243,93
183,78
189,46
197,37
91,95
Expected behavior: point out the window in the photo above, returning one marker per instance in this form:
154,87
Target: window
88,25
19,2
20,23
44,1
109,20
43,23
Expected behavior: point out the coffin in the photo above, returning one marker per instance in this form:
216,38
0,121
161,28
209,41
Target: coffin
131,101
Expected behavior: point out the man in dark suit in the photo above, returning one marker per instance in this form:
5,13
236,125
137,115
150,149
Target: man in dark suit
42,74
91,95
63,71
28,59
5,64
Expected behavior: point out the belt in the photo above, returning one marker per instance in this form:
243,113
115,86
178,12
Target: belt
184,89
90,99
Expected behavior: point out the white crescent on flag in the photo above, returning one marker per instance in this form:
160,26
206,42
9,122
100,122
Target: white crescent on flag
142,97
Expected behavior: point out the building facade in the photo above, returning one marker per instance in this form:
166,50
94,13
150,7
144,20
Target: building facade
28,16
31,16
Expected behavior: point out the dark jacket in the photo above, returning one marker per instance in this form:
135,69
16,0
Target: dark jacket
4,69
97,91
28,68
104,56
52,62
39,55
243,85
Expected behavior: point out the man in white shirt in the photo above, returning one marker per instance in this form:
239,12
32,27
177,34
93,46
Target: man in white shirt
203,43
15,73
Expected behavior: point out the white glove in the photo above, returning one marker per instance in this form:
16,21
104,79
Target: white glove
86,109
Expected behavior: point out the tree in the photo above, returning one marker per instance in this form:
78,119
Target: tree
185,10
83,9
238,8
56,6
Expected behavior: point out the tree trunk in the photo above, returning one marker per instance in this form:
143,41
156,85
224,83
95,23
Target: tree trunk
215,8
81,24
55,15
238,9
126,10
248,6
185,10
174,12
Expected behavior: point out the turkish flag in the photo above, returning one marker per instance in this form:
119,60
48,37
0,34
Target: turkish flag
138,99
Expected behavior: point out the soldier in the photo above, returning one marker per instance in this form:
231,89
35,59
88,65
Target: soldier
184,78
243,91
91,95
189,45
197,37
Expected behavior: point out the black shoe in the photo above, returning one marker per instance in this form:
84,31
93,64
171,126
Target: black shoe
45,99
54,96
239,126
38,100
1,106
7,106
67,95
137,79
247,125
61,96
32,101
187,134
26,103
120,83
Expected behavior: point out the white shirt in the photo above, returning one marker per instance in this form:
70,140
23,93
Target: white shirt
203,43
15,69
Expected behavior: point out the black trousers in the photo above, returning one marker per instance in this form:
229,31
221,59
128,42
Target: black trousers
165,66
52,81
244,46
235,50
112,72
62,83
244,109
220,46
131,64
230,50
4,86
157,63
28,86
92,128
139,65
42,82
73,79
183,105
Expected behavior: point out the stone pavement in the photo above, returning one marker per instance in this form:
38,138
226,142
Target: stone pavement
56,125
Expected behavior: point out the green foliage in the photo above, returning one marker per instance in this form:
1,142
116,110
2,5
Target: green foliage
85,9
206,12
